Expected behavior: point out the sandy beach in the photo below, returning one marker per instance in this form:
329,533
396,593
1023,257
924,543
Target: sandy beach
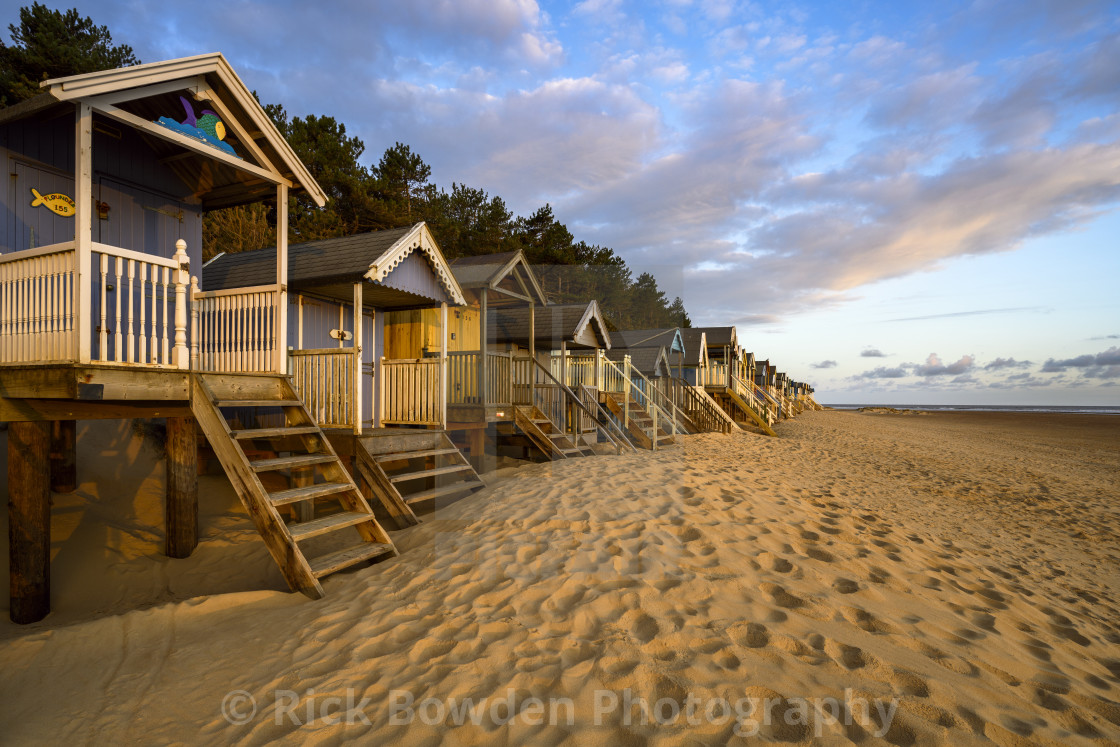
949,578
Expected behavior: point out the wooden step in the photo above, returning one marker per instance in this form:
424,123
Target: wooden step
430,472
402,455
538,422
258,403
303,460
457,487
315,527
325,565
281,497
291,430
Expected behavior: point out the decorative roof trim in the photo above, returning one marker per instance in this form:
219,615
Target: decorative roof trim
419,237
89,85
593,313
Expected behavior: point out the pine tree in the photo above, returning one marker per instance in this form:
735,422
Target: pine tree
53,44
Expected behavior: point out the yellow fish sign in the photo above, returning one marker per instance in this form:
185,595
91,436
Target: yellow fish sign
59,204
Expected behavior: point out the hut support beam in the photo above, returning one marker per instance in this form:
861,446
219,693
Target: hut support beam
181,506
64,471
29,520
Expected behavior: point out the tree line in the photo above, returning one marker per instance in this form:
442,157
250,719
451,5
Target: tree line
395,192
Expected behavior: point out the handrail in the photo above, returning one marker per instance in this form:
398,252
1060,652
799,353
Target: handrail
572,396
717,419
117,251
39,251
648,393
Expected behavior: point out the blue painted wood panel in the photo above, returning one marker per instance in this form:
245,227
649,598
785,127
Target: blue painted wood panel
415,275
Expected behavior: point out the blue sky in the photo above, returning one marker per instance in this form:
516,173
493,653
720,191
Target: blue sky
904,202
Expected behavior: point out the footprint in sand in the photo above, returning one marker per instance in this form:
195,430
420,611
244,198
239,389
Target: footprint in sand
749,635
774,562
780,596
864,620
640,625
845,586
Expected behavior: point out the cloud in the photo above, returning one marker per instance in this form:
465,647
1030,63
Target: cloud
1105,365
882,372
1011,310
1000,363
825,364
934,367
872,353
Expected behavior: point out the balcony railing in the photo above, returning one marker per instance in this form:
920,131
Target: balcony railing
411,392
236,330
326,382
37,320
126,312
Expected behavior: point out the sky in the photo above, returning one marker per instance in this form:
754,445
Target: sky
907,203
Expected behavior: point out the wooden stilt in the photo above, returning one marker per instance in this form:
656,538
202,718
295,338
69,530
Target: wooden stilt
304,477
29,520
64,471
477,448
181,507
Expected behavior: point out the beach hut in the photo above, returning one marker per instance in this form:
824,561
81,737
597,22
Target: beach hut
554,353
481,387
723,381
110,174
369,370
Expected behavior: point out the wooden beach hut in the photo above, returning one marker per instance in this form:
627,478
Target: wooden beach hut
722,379
101,231
372,377
554,350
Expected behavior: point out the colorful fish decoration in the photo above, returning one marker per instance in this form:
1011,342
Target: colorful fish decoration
59,204
208,128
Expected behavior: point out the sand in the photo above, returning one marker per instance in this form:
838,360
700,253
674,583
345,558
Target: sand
958,572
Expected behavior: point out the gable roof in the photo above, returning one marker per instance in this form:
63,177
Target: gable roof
349,259
576,323
491,270
139,94
652,360
670,337
720,336
695,346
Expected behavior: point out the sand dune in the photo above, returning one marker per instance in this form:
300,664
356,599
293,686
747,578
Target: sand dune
959,573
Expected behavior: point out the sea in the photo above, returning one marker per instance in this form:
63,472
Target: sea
1077,409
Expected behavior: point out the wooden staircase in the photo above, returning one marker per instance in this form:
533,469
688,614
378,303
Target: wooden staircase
405,467
640,425
333,527
546,435
732,402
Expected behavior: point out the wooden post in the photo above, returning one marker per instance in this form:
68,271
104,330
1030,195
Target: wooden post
653,414
483,336
64,472
358,358
375,370
443,379
532,351
563,383
83,232
299,322
281,323
304,477
181,507
626,384
29,520
194,323
180,354
477,447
